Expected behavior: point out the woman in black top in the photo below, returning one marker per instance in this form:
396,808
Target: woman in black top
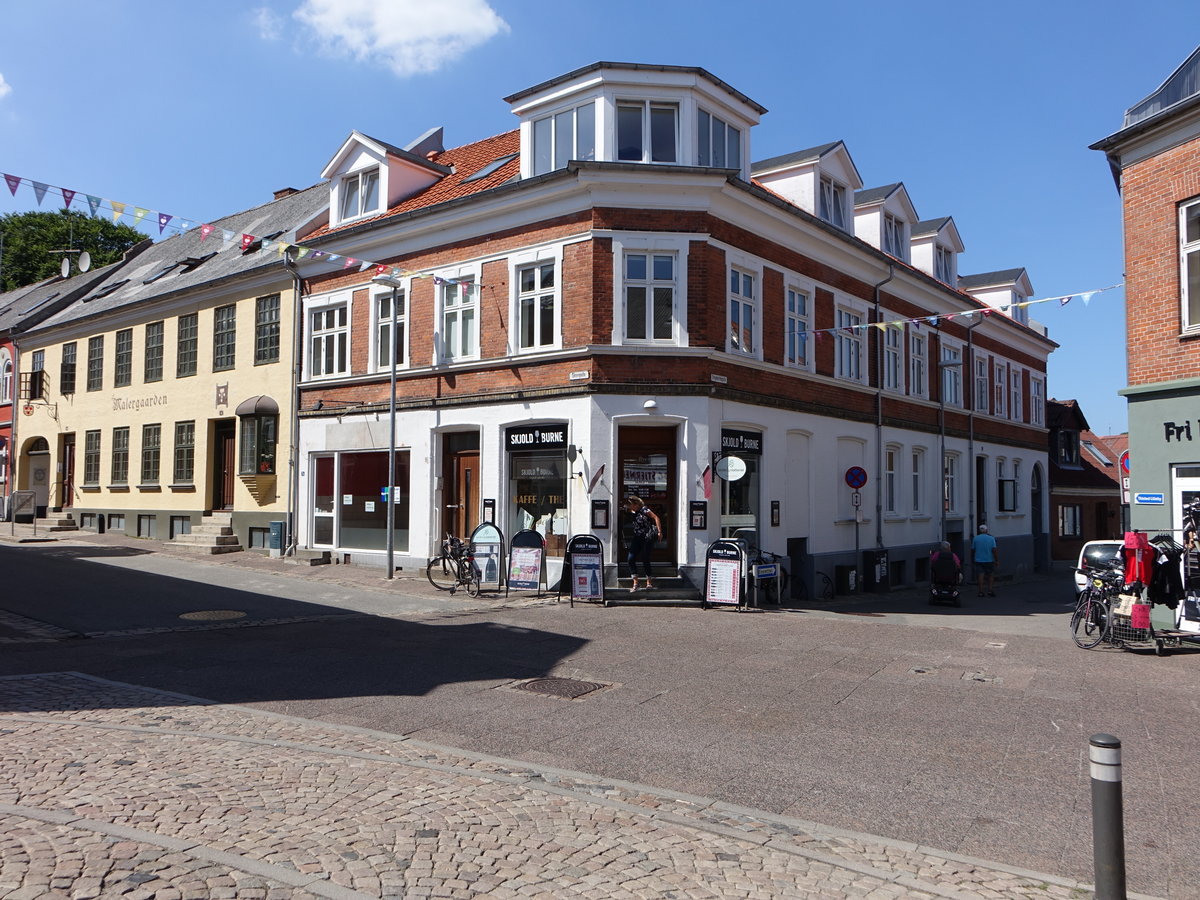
647,529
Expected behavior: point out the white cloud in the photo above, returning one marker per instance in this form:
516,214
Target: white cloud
5,88
407,36
270,26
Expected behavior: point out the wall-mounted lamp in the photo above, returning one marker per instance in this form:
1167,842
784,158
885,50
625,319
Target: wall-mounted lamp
650,405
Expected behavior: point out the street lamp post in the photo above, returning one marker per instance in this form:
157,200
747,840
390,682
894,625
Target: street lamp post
944,364
395,284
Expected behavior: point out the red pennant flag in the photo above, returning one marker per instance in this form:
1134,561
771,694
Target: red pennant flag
68,196
205,231
382,270
14,182
247,240
350,261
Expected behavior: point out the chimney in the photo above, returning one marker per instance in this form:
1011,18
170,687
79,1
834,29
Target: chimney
285,192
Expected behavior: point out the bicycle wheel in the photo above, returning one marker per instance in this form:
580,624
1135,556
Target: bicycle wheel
468,577
1086,629
825,591
442,573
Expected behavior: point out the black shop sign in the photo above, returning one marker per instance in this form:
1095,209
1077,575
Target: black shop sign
535,437
745,443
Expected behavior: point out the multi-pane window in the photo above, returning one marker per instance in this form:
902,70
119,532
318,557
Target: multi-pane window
831,204
266,329
6,377
91,457
891,457
951,365
1070,520
1037,401
151,449
260,434
917,471
37,376
718,143
329,337
893,358
647,132
649,296
562,137
1067,448
123,359
360,193
1006,488
1017,311
185,452
893,237
1000,376
943,264
1014,393
916,364
950,482
384,345
224,337
154,352
460,319
66,370
741,312
1189,252
536,307
120,455
796,325
186,347
982,392
95,370
849,345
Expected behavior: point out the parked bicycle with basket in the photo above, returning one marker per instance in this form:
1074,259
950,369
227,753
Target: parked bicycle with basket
454,567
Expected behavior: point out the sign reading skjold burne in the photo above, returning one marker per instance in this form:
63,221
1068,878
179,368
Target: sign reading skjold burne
536,437
748,442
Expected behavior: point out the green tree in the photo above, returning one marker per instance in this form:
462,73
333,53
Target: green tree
29,238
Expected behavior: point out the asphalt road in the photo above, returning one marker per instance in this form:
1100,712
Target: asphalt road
960,729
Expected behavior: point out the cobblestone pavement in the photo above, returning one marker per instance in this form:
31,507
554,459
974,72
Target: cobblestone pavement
111,790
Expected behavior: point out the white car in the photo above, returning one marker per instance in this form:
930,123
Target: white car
1101,554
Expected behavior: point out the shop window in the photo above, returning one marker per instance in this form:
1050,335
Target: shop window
538,496
260,436
740,503
350,495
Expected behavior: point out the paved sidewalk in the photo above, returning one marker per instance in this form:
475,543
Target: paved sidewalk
114,790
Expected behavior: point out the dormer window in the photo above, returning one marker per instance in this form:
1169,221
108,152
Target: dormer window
832,203
718,144
647,132
564,136
943,264
360,194
1019,313
893,236
1067,449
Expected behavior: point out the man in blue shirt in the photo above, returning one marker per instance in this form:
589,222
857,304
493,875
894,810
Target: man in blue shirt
987,557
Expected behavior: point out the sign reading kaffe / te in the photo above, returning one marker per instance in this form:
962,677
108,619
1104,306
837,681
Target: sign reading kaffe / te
536,437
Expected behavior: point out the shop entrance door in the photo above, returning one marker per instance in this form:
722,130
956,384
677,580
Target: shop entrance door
647,459
66,494
224,463
460,484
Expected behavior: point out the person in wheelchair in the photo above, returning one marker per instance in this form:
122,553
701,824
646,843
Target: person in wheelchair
945,575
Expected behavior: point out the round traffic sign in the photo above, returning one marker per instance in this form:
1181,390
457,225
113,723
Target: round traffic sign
1125,461
856,477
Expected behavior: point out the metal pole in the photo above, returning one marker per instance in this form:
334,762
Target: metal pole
391,501
1108,827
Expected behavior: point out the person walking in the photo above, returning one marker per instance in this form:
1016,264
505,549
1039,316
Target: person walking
647,529
986,557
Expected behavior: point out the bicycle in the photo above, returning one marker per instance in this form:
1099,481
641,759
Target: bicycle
824,589
454,568
772,590
1091,623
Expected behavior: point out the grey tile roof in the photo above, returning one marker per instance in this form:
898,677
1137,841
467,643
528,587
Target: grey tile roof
984,279
929,226
26,306
873,195
798,156
184,262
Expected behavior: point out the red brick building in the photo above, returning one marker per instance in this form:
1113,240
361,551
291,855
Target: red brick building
1155,158
611,300
1085,486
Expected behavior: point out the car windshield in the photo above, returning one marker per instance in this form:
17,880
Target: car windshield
1103,555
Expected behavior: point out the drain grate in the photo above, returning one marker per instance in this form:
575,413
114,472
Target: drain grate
563,688
213,615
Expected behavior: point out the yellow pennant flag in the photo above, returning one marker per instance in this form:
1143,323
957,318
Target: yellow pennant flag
118,210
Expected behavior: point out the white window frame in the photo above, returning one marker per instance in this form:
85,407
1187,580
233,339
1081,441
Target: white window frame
797,324
518,265
647,113
1015,406
848,344
6,376
952,376
1070,520
1017,312
550,128
893,356
1037,401
321,306
711,121
379,322
458,305
917,480
831,201
891,484
1189,264
983,387
743,302
950,481
1000,392
943,264
650,246
893,235
356,179
918,363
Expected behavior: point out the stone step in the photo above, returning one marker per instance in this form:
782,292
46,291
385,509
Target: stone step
216,540
209,549
58,523
212,529
217,519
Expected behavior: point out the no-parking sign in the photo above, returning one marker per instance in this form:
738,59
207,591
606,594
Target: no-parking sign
856,477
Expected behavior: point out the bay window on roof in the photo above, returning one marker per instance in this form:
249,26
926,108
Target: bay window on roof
718,144
893,237
360,193
832,202
647,131
564,136
943,264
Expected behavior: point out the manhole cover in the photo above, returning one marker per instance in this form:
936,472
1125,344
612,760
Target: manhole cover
995,645
213,615
563,688
922,670
981,677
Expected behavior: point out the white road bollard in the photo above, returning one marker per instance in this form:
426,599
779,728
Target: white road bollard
1108,817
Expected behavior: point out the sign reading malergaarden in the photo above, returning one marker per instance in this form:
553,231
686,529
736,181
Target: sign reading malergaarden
123,405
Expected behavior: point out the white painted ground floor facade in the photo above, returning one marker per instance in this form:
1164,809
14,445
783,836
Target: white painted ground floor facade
563,467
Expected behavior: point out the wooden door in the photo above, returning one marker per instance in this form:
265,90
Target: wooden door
224,464
66,497
461,493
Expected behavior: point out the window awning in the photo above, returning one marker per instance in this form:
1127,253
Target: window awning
262,405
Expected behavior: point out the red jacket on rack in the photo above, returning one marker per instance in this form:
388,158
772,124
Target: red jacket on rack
1139,556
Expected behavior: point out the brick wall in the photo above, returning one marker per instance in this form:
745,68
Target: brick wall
1151,192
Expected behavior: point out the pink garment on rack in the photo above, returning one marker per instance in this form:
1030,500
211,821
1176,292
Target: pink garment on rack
1139,556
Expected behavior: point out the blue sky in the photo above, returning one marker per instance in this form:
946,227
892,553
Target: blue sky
985,114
